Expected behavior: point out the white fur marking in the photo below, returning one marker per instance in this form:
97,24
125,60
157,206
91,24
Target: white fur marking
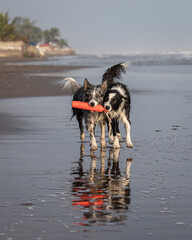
111,95
120,90
125,64
93,98
94,92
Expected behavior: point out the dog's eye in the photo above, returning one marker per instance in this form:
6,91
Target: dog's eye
98,95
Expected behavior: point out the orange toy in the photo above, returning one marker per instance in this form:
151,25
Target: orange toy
85,106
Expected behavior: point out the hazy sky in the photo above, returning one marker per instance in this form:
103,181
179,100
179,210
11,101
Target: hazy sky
112,26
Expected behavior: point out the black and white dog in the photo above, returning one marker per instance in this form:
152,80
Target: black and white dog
117,101
94,95
114,96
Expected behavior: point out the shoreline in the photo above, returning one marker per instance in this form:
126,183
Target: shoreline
16,81
54,187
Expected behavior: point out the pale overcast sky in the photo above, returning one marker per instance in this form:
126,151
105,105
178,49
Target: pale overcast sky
112,26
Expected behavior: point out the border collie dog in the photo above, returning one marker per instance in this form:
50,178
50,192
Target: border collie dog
93,95
117,101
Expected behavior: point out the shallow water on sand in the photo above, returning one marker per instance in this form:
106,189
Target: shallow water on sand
53,187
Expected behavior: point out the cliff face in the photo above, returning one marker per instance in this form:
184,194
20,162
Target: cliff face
12,48
49,50
21,49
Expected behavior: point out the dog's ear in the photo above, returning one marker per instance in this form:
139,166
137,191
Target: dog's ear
104,86
86,84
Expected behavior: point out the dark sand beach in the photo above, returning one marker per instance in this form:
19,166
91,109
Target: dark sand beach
20,80
53,187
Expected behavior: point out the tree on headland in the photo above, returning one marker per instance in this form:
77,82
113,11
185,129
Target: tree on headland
7,30
53,36
24,29
62,42
34,34
55,33
27,28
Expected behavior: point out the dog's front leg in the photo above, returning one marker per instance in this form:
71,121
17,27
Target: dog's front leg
93,142
102,139
110,133
109,124
115,137
82,134
128,135
117,130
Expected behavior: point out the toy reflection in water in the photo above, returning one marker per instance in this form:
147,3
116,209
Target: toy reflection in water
103,192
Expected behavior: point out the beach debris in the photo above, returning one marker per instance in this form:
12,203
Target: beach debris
175,127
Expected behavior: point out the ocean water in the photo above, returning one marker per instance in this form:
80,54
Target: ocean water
143,69
54,187
146,72
137,59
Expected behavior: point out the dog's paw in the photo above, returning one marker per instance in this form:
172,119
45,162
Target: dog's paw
119,135
93,144
129,144
94,148
116,144
82,137
103,146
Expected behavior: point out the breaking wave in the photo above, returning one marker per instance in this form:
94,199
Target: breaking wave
137,59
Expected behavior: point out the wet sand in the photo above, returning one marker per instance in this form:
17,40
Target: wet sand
53,187
20,80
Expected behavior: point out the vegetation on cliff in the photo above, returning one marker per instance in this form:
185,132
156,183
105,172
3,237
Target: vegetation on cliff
24,29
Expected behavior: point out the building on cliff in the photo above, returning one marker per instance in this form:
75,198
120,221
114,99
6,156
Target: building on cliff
21,49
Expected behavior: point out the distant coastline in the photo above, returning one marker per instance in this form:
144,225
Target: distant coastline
22,49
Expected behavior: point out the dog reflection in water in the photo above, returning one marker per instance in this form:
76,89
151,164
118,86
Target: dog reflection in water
103,192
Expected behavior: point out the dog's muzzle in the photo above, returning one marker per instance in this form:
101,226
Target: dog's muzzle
107,107
92,103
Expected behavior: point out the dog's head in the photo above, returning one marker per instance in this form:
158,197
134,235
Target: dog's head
113,100
94,94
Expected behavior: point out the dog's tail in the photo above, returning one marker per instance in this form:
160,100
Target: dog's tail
114,72
71,85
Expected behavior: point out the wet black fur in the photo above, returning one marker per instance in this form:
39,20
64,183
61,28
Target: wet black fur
83,94
113,73
119,99
93,95
116,103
